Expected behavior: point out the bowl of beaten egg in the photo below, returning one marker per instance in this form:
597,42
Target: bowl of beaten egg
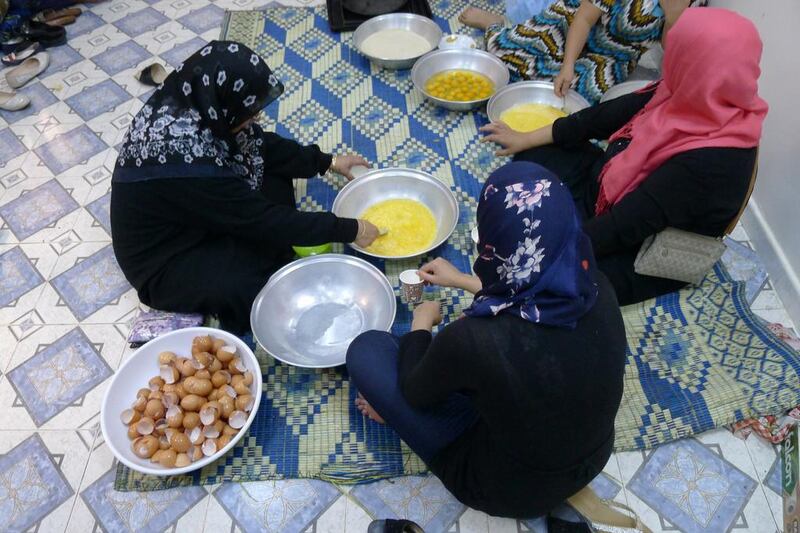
529,105
419,211
459,79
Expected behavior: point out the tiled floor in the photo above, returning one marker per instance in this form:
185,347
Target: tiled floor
65,308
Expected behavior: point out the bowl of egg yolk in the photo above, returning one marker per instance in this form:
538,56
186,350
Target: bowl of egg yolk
459,79
418,211
529,105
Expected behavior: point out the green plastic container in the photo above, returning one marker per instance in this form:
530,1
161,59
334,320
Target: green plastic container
308,251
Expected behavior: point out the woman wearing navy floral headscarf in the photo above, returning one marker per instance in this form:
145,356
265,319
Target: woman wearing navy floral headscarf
513,405
202,202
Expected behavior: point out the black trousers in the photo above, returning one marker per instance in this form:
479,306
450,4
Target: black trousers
222,275
579,168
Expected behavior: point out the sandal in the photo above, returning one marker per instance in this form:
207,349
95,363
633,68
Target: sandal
153,75
45,34
62,21
13,101
600,513
15,58
391,525
29,69
49,14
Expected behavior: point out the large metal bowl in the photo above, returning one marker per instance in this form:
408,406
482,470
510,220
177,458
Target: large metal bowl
532,92
627,87
310,310
459,59
422,26
390,183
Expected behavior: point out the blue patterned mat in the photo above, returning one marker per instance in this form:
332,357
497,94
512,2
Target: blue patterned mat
698,359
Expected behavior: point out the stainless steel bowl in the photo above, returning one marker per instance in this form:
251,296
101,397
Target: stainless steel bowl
422,26
621,89
390,183
459,59
310,310
532,92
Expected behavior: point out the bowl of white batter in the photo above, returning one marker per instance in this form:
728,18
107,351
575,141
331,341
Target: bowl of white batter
397,40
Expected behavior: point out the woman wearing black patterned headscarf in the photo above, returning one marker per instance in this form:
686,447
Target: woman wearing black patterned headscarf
202,202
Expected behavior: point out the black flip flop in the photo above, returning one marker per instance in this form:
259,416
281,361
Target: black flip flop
15,58
153,75
391,525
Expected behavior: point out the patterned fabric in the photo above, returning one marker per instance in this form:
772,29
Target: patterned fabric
535,48
184,129
534,258
698,359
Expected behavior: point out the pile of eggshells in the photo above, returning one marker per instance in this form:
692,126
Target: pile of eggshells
193,408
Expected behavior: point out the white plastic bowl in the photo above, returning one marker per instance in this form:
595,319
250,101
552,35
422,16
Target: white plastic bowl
134,375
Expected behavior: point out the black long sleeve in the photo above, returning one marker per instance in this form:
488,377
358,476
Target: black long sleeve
599,121
429,368
288,159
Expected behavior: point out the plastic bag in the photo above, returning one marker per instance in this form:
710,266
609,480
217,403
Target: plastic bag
518,11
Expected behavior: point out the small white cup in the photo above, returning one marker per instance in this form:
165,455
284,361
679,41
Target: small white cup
411,287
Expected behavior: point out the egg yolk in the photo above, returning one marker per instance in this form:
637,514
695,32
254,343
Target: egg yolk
459,86
530,117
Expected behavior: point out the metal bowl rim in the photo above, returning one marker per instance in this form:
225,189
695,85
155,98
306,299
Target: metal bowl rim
375,21
324,258
521,85
453,51
418,174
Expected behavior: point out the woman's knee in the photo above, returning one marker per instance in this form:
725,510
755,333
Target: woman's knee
368,351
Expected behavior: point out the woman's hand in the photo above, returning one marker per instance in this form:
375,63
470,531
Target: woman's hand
343,163
563,81
426,315
367,233
441,272
511,141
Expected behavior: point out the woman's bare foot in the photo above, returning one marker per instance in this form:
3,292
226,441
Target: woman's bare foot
367,410
479,18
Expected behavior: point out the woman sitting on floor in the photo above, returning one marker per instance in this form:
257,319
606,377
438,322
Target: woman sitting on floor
490,404
681,153
202,202
594,43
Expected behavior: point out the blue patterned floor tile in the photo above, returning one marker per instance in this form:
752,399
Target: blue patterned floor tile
10,146
691,487
91,284
773,479
86,23
203,19
178,55
31,485
17,276
41,97
62,57
61,373
138,511
289,505
422,499
37,209
98,99
121,57
69,149
101,211
141,22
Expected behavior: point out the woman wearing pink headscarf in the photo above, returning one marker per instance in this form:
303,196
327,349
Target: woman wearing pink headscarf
681,152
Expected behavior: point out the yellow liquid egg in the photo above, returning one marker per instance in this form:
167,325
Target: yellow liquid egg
459,86
530,117
411,226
